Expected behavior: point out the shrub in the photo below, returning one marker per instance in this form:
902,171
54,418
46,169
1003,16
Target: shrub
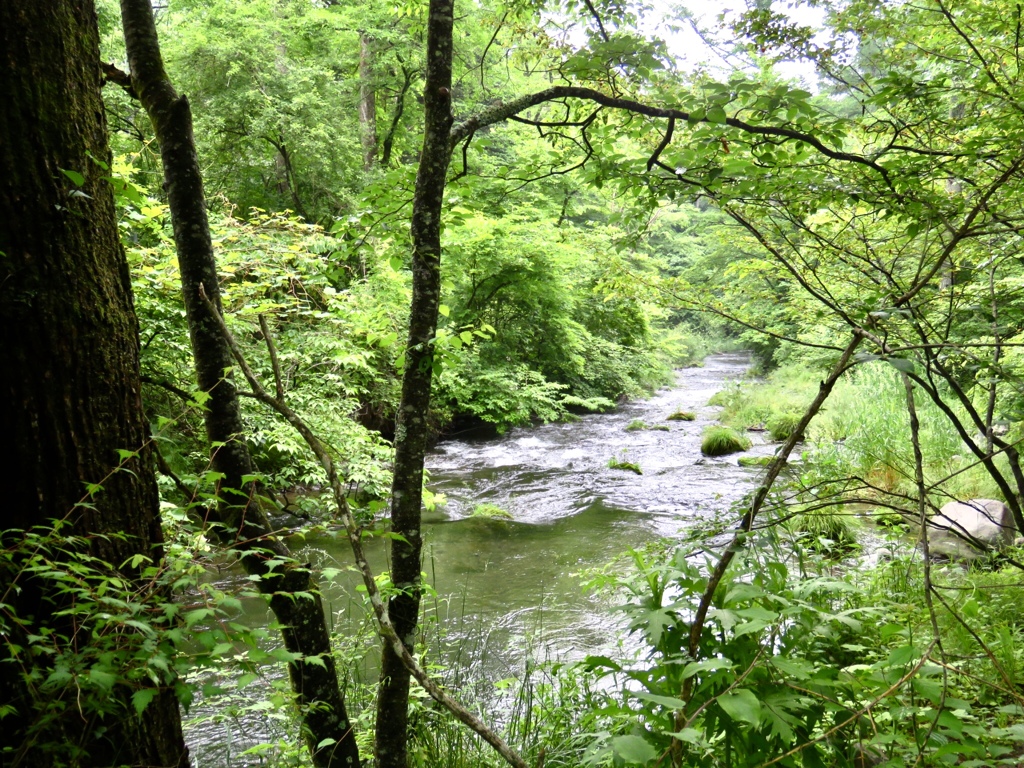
720,441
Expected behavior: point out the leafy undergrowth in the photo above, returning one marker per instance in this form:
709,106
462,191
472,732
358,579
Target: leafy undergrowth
797,667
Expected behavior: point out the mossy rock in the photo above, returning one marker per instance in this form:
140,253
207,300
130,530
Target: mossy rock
625,466
721,441
489,511
755,461
891,520
781,426
636,425
682,416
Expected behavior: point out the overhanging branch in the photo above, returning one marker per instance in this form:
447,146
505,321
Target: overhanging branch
501,112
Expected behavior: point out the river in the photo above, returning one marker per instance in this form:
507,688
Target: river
511,589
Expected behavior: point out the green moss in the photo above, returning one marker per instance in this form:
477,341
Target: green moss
490,511
626,466
682,416
755,461
720,441
636,425
892,520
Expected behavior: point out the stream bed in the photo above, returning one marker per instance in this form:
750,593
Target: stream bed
511,589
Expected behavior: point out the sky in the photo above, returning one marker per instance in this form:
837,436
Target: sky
714,17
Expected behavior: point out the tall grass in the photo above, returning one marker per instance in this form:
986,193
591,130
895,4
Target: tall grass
863,431
786,390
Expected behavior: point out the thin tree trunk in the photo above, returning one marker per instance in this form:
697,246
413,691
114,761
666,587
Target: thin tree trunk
367,102
69,384
411,430
293,590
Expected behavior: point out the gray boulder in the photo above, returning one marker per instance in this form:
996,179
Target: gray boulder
965,530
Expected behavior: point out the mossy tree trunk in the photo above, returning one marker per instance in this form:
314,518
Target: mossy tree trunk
294,596
411,431
69,384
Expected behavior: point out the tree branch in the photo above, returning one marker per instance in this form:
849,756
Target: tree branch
501,112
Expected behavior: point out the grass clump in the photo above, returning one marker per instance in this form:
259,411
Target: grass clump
721,441
827,528
682,416
781,426
490,512
625,466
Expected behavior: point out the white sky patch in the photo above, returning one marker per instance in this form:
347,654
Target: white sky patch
714,19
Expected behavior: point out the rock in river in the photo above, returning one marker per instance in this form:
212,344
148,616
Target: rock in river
965,530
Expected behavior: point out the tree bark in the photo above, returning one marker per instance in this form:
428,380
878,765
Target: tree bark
69,382
294,596
367,102
411,430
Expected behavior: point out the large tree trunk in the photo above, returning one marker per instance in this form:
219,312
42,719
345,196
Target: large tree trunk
367,102
69,381
295,599
411,431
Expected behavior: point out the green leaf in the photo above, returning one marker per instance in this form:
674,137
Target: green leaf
901,364
715,114
141,699
103,678
741,705
665,701
76,178
633,750
444,309
902,656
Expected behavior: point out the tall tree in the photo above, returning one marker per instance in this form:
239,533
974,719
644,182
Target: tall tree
294,597
412,429
70,389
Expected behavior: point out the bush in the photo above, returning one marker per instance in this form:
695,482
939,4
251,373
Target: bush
721,441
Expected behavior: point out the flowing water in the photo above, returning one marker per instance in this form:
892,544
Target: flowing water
512,588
